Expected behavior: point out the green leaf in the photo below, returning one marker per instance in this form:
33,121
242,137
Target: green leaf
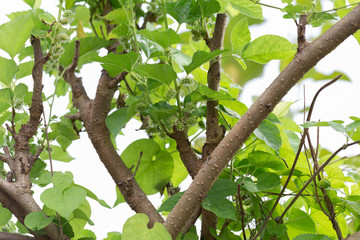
5,99
160,72
13,40
268,47
81,215
118,119
136,228
248,8
33,3
274,230
5,216
216,201
57,153
117,16
170,203
63,202
267,180
62,180
312,237
201,57
319,18
25,69
92,195
222,207
37,220
227,111
203,93
300,222
117,63
268,132
240,35
260,159
69,4
163,38
88,46
184,11
8,69
154,168
282,108
113,236
209,7
223,188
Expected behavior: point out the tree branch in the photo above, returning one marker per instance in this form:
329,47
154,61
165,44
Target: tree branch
214,132
100,137
14,236
187,153
93,113
303,61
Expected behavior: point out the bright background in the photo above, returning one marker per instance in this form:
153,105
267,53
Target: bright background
337,102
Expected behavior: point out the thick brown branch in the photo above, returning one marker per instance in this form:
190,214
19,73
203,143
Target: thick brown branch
14,236
100,138
214,132
187,154
93,113
302,62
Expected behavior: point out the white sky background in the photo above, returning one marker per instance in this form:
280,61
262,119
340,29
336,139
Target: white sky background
338,101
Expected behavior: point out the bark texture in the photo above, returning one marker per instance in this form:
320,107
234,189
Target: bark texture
93,113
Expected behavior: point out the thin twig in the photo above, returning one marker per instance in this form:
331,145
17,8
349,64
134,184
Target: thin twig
48,144
138,164
241,210
315,174
296,157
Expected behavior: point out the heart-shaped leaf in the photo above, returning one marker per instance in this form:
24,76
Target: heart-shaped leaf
63,202
136,228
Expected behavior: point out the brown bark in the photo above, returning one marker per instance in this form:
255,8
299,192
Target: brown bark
214,132
303,61
93,113
17,195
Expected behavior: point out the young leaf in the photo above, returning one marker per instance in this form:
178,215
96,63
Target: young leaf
13,40
8,69
260,159
299,222
268,132
161,72
117,63
63,202
117,16
240,35
62,180
88,46
267,180
33,3
155,167
268,47
57,153
136,228
163,38
37,220
92,195
209,7
248,8
117,120
25,69
200,57
203,93
184,11
5,216
216,201
170,203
